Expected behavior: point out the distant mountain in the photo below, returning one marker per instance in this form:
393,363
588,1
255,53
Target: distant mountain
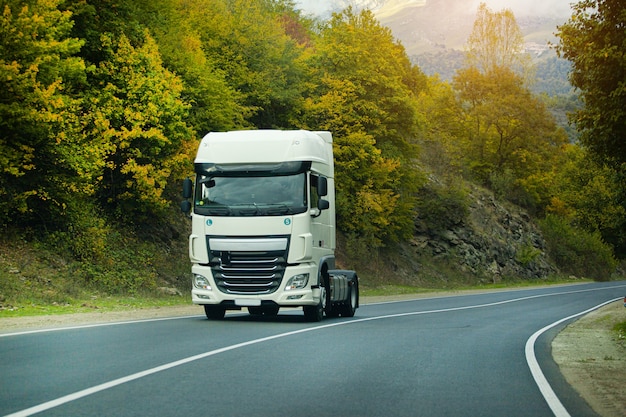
431,25
434,32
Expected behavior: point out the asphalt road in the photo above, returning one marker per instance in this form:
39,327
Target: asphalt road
466,355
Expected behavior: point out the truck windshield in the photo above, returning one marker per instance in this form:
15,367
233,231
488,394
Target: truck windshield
251,195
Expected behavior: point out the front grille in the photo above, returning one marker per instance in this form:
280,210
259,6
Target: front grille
248,272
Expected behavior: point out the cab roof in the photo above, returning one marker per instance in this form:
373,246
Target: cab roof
265,146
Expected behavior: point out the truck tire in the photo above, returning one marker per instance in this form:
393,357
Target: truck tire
263,311
316,313
349,308
313,313
214,312
329,308
271,311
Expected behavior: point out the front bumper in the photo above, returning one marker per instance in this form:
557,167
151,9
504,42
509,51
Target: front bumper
309,295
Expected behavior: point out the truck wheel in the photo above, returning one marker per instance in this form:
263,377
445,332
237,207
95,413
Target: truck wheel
349,308
329,308
214,312
263,311
271,311
316,313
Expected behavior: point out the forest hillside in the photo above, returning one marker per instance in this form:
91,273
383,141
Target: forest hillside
466,180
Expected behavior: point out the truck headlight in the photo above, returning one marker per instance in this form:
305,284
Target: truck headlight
297,282
201,282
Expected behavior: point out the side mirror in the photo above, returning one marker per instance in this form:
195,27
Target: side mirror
187,188
185,206
321,206
322,186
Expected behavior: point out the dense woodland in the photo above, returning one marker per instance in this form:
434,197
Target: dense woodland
103,102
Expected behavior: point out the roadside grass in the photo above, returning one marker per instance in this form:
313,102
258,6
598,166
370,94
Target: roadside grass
392,289
111,303
620,332
107,303
38,278
41,277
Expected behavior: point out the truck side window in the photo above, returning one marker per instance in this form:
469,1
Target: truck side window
314,194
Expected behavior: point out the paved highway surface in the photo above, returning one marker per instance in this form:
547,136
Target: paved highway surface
473,355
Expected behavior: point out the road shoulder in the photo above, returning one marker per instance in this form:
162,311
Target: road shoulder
593,361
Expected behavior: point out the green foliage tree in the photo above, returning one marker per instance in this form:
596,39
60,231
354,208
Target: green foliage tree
45,160
577,251
247,42
593,40
510,137
588,195
177,30
364,89
138,116
508,129
215,105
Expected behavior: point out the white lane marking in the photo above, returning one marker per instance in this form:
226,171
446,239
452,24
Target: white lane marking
117,323
111,384
89,326
546,390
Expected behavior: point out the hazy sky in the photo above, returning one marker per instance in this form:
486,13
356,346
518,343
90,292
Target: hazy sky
559,8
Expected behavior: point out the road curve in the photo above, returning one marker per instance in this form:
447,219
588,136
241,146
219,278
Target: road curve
453,356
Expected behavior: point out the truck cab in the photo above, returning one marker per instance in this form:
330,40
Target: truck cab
263,225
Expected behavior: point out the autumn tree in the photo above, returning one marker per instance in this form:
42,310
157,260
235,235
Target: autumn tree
137,115
593,40
45,161
363,89
509,136
506,127
588,194
496,41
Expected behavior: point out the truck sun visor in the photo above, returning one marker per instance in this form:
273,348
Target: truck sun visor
280,168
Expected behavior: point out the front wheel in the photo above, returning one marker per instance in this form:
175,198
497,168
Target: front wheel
214,312
316,312
264,311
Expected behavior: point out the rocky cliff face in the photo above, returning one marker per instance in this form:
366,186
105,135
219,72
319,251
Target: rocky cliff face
490,241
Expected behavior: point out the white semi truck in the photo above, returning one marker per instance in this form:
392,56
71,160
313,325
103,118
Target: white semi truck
263,225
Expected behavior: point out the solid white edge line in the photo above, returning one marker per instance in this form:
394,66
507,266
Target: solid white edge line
95,389
118,323
89,326
542,383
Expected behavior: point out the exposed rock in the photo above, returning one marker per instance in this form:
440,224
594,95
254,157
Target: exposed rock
493,241
169,291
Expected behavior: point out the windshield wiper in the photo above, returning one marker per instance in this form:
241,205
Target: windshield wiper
279,208
247,209
218,210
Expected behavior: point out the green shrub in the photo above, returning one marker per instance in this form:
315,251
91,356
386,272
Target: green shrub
505,185
577,251
620,330
442,207
106,255
527,254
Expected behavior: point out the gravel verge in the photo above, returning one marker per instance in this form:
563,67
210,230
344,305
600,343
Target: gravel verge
593,360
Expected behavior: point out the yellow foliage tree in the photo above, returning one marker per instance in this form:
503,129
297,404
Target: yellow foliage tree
138,116
363,88
44,159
